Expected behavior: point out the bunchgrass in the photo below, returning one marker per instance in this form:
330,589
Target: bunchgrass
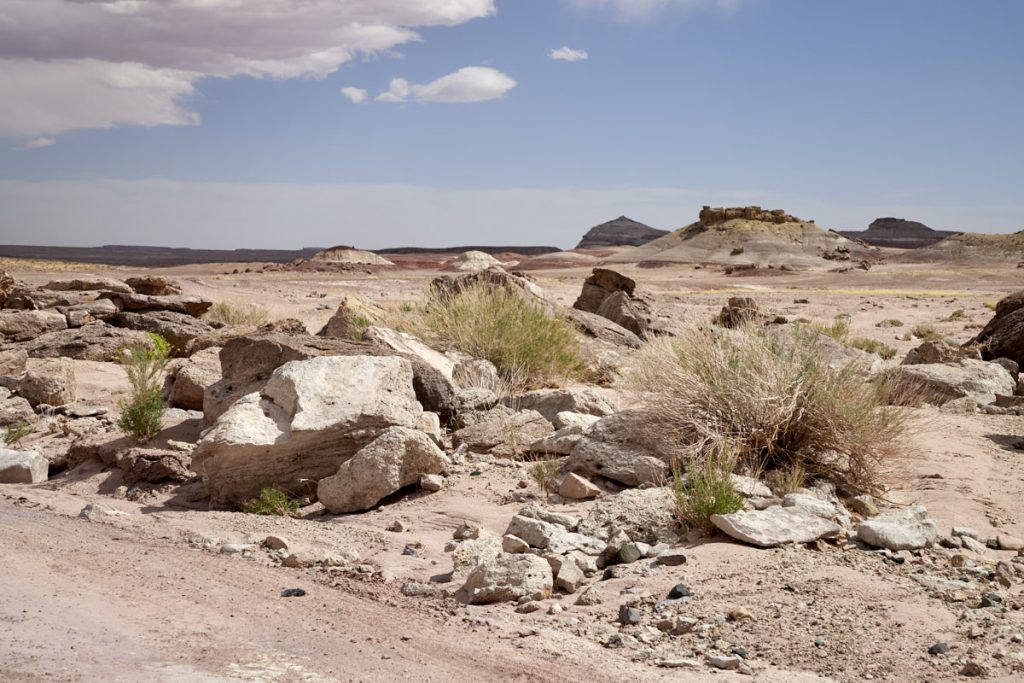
838,329
775,397
873,346
545,474
238,314
926,332
706,488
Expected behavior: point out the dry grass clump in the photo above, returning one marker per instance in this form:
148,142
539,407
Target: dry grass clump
889,322
873,346
525,342
838,329
774,399
238,314
15,433
926,332
545,474
706,488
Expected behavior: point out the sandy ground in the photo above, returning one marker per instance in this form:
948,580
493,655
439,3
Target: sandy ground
146,596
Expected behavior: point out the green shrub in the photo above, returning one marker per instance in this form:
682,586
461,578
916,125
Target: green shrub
873,346
775,397
271,501
14,434
238,314
142,412
545,475
706,489
529,346
926,332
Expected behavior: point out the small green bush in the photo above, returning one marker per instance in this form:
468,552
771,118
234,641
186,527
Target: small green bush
271,501
13,435
873,346
529,346
545,475
142,412
238,314
706,489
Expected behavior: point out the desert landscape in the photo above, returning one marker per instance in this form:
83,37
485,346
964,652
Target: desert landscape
329,497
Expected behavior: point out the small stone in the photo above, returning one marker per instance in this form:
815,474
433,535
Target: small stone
991,600
514,544
974,670
958,560
863,506
589,597
292,593
973,545
528,607
725,661
965,532
397,526
740,614
679,663
468,531
614,572
629,553
431,482
1004,574
414,589
680,590
1009,543
569,577
740,652
365,569
409,550
236,548
1017,638
938,649
629,615
555,609
672,558
276,542
575,487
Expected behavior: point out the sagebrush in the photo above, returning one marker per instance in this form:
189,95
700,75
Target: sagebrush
529,345
775,397
142,412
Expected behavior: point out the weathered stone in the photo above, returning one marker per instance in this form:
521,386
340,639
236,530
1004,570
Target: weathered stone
566,521
575,487
863,505
471,553
15,410
154,465
312,416
92,342
90,311
153,285
569,419
23,326
742,310
609,449
408,345
551,402
906,529
504,436
941,383
611,295
194,306
547,536
350,320
1003,336
748,487
643,514
476,373
939,351
22,467
7,285
177,328
98,284
560,442
775,526
49,381
513,544
13,362
395,459
509,578
188,379
432,483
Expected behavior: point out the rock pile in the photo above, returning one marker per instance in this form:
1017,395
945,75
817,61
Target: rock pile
710,216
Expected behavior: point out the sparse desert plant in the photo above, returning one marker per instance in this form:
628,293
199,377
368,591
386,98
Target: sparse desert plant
706,488
776,397
545,474
271,501
873,346
926,332
889,322
142,411
991,305
787,480
14,434
238,314
838,329
958,314
525,343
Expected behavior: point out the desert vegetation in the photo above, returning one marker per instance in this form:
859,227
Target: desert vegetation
238,314
15,433
271,501
142,411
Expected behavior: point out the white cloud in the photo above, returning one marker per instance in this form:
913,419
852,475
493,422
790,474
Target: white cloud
38,143
149,54
568,54
355,95
468,84
645,9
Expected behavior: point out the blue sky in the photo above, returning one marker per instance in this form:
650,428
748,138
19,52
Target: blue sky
837,111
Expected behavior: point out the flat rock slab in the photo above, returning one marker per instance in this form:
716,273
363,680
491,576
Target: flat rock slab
906,529
775,526
22,467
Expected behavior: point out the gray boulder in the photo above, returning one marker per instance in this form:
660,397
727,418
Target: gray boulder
194,306
551,402
906,529
940,383
502,434
23,326
188,379
22,467
97,284
177,328
611,449
508,578
49,381
395,459
775,526
93,342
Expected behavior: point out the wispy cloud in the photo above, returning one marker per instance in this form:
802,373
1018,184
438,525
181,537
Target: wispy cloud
355,95
568,54
468,84
38,143
646,9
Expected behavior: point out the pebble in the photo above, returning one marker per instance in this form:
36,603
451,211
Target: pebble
974,669
672,558
589,597
292,593
740,614
409,550
365,569
555,609
678,663
938,649
235,548
990,600
397,526
622,640
413,589
276,542
431,482
629,615
1004,574
528,607
680,590
725,661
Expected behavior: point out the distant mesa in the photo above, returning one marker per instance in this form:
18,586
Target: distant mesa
621,232
899,233
351,256
472,261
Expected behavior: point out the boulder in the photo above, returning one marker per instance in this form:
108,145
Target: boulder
23,326
611,295
551,402
475,373
602,329
312,416
741,310
471,553
395,459
940,383
13,361
939,351
92,342
560,442
502,434
906,529
49,381
7,285
153,285
177,328
1003,336
644,515
508,578
552,537
89,312
351,319
188,379
14,411
194,306
154,465
98,284
408,345
23,467
575,487
775,526
611,449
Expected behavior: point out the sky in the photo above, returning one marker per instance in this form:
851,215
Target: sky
383,123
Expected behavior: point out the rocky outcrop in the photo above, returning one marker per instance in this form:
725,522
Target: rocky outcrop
92,342
611,295
23,326
898,233
621,232
177,328
153,285
194,306
940,351
351,319
311,416
395,459
710,215
1003,336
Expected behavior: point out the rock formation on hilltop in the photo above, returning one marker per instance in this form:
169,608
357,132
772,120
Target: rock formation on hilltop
621,232
710,215
899,233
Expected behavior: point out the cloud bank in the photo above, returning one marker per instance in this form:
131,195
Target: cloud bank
73,64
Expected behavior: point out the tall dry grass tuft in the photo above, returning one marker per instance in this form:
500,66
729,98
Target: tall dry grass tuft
774,400
527,344
238,314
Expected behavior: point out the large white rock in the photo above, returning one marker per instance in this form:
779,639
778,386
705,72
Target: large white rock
548,536
969,378
405,343
509,578
395,459
22,467
312,416
906,529
471,553
775,526
551,402
608,449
